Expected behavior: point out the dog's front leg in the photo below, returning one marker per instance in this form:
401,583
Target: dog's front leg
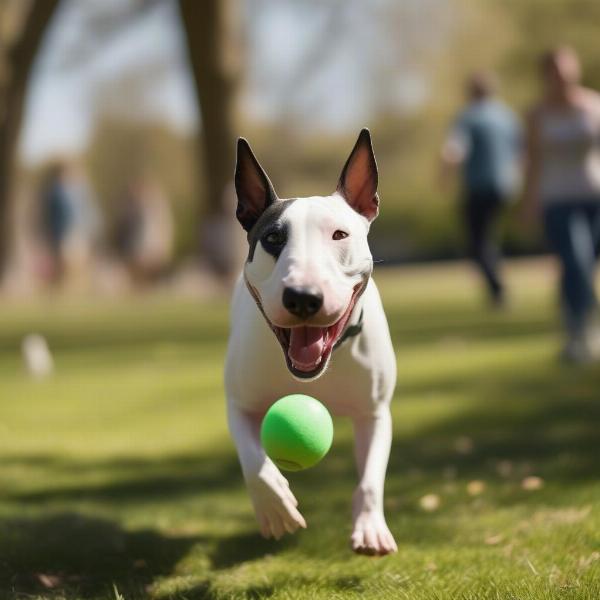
273,501
373,438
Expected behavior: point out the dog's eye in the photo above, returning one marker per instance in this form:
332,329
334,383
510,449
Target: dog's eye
275,238
338,234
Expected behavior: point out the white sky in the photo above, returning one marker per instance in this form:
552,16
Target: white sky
334,94
60,108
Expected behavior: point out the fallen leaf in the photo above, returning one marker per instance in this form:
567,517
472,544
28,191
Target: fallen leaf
475,487
430,502
494,540
532,483
50,582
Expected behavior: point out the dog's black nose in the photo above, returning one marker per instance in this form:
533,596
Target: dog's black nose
303,302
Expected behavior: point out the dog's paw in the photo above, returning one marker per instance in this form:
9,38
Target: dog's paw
274,504
371,535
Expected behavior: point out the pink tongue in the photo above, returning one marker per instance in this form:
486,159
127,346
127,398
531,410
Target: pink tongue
306,346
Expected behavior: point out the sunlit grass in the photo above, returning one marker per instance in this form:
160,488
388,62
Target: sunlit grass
118,478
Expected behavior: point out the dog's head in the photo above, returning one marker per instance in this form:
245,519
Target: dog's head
308,260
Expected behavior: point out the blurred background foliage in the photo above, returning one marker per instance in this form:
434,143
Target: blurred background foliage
399,68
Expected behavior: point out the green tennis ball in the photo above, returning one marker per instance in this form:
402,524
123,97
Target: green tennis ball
296,432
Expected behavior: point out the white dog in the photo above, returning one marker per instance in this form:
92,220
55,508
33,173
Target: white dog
306,290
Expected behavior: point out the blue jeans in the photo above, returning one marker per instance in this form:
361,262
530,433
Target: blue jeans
573,230
482,208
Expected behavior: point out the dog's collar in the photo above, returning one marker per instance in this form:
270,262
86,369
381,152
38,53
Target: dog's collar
351,331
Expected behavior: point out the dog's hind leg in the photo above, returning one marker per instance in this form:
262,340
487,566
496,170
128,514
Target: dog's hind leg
274,504
373,438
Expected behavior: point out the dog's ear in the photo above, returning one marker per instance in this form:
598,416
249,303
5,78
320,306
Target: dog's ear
358,181
254,189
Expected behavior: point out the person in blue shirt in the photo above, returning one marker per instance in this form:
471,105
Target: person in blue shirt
70,221
484,143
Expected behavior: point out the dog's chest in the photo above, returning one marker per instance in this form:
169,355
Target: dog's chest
359,376
345,388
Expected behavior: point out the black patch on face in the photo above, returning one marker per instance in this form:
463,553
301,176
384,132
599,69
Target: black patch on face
274,239
270,221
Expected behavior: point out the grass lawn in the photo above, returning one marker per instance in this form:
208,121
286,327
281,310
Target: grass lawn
118,478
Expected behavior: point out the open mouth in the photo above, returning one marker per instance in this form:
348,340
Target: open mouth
307,349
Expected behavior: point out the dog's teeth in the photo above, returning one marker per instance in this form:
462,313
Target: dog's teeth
297,366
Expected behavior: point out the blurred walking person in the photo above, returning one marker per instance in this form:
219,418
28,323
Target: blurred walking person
484,143
70,221
563,189
145,230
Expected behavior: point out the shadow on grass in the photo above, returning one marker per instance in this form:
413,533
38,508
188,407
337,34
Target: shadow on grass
547,418
205,591
138,480
73,555
246,547
545,423
423,325
83,557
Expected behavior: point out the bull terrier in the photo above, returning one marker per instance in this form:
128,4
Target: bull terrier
306,292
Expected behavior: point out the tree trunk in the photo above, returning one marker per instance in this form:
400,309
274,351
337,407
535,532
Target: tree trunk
214,61
19,60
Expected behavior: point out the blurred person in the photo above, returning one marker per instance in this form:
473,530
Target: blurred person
145,231
484,142
221,245
563,189
70,221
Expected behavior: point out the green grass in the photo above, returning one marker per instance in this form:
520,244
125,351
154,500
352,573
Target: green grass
118,478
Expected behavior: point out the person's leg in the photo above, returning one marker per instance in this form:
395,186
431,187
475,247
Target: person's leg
593,333
594,211
581,231
569,231
482,211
